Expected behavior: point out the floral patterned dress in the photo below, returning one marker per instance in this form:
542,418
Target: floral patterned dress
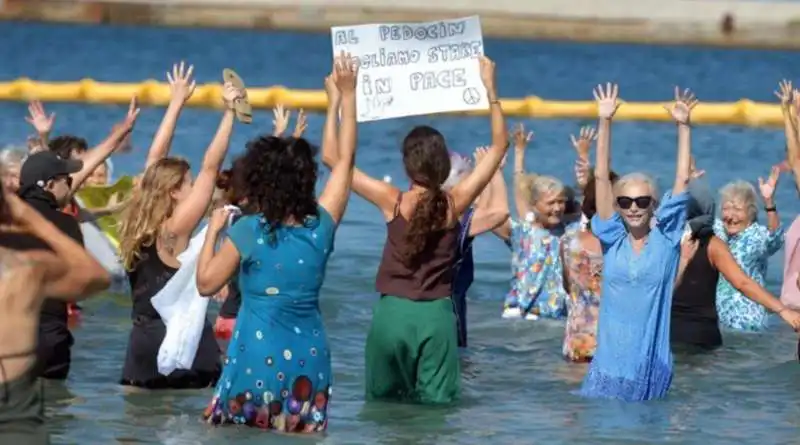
537,288
751,248
583,301
277,372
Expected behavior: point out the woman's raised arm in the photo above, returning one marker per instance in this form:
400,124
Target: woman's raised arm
681,112
607,105
521,200
181,86
381,194
337,190
465,192
189,212
99,154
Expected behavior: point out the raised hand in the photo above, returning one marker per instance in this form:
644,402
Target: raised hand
520,137
230,94
130,118
487,70
330,88
681,108
38,119
607,100
345,72
767,187
583,143
181,84
785,93
300,125
280,120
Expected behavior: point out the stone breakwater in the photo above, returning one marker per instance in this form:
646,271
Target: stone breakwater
753,23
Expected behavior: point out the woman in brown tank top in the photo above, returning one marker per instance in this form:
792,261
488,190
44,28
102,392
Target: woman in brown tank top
412,351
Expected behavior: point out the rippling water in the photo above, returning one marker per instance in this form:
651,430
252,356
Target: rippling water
517,390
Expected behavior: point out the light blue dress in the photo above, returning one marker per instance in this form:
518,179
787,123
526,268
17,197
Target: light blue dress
751,248
537,288
277,372
633,360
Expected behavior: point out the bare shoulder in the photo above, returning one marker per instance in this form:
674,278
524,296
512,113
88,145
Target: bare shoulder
16,266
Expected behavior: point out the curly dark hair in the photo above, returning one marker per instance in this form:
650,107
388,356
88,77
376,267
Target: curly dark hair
64,146
279,176
589,204
427,163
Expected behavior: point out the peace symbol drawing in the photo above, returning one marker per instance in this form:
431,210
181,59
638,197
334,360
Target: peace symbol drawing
471,96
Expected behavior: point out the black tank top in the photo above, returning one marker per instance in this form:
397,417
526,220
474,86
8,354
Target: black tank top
148,277
694,310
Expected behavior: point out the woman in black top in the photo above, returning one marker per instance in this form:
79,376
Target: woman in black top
694,313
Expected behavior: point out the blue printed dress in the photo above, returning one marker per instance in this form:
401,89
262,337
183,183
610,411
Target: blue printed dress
633,360
277,372
751,248
537,288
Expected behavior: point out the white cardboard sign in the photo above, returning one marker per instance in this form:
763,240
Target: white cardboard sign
410,69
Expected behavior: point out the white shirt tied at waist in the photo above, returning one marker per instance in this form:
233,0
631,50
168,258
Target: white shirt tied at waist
183,309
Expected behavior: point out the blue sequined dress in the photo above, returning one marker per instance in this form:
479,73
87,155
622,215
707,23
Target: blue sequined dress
277,372
633,360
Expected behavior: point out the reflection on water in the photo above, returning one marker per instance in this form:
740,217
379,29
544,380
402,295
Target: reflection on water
516,387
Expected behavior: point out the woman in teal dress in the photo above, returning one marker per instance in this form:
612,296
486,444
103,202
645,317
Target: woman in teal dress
277,370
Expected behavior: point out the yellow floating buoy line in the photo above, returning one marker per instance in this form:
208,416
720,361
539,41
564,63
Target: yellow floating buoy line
151,92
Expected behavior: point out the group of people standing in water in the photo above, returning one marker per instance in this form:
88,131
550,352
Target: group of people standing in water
631,271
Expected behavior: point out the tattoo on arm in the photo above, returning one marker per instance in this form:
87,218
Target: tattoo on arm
168,241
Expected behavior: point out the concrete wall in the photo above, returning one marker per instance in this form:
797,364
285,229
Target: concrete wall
757,23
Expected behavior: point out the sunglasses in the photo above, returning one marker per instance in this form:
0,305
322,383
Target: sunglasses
642,202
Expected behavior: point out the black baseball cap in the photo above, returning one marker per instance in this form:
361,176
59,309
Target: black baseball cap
43,166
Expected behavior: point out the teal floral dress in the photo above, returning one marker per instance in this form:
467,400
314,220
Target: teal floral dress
537,286
277,371
751,248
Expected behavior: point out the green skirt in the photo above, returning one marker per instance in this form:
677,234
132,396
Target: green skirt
22,412
412,351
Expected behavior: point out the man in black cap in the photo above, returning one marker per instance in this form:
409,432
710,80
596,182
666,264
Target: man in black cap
45,184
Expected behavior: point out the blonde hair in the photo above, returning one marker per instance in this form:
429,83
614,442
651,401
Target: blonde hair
532,187
150,205
741,191
641,178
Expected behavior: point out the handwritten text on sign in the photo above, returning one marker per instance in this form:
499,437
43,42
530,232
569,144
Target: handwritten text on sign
415,68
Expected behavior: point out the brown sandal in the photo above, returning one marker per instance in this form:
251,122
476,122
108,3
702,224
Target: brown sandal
241,106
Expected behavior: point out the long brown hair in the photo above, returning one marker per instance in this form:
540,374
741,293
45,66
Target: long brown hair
427,163
150,205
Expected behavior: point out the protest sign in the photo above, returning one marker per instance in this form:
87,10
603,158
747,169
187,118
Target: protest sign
410,69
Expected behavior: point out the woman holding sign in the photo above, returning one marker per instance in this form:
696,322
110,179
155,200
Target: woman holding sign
412,351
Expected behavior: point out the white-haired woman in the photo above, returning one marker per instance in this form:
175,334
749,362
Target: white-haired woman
11,160
537,288
633,360
490,211
751,244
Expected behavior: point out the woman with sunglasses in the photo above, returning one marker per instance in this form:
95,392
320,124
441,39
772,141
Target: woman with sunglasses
633,360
